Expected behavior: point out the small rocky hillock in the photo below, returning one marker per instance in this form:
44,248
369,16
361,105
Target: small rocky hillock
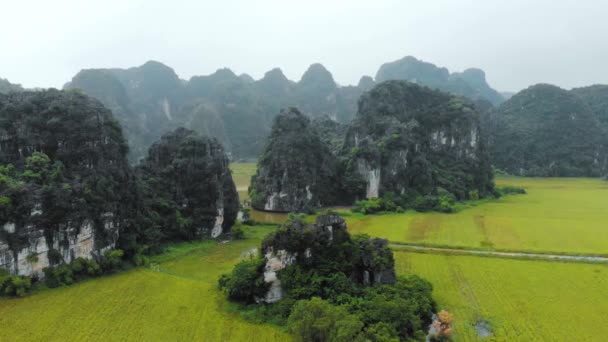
412,141
189,186
297,171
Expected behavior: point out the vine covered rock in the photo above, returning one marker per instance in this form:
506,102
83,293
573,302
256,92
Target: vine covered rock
297,171
189,186
63,182
412,141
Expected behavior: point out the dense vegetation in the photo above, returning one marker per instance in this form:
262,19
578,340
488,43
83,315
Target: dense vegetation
333,287
187,187
68,196
64,167
420,147
547,131
470,83
297,171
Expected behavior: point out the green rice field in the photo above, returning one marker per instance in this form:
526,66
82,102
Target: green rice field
520,300
176,297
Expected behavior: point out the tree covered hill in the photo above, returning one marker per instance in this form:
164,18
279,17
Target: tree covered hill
412,141
548,131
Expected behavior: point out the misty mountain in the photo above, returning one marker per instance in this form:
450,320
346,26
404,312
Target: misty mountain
470,83
151,100
547,131
7,87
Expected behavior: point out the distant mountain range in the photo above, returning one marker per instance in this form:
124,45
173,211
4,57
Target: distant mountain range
151,99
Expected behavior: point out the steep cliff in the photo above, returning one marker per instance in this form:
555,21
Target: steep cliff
413,141
547,131
189,186
64,180
297,171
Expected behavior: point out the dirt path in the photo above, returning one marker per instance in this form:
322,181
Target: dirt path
519,255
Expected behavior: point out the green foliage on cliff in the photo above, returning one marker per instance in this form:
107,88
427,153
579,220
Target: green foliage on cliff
186,184
547,131
65,166
297,171
416,143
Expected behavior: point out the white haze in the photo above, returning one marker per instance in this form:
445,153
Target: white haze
517,42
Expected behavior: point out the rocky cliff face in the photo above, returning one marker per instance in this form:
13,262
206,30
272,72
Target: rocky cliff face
190,185
471,83
64,179
547,131
297,171
412,141
310,246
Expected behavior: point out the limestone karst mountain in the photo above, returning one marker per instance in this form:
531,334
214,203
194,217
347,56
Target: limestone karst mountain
188,183
470,83
65,179
547,131
151,100
414,141
297,171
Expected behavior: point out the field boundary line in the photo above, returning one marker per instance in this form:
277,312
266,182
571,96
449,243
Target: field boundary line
499,254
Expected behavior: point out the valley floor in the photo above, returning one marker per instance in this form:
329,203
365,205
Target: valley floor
176,297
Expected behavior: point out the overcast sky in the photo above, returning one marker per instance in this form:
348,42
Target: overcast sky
517,42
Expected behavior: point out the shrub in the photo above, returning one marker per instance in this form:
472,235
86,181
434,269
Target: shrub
14,286
246,282
369,206
238,233
510,190
58,276
112,260
54,256
317,320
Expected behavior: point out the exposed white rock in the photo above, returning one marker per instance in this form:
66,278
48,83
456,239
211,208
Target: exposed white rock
33,258
219,221
308,193
9,227
166,108
274,263
270,203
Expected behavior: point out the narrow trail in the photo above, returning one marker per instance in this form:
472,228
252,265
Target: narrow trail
514,255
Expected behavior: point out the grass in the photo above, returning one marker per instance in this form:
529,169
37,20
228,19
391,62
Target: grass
522,300
557,215
176,299
241,174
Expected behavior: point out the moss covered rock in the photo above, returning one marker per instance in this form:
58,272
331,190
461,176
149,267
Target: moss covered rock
189,185
297,171
412,141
